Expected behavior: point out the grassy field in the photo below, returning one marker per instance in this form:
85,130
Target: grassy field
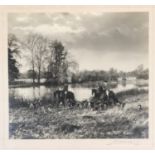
46,122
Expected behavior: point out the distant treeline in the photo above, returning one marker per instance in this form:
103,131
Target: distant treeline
139,73
111,75
84,76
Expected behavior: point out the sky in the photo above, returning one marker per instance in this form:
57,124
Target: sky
96,40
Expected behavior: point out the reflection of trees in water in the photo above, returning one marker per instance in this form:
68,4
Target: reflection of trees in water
124,83
81,90
36,92
40,91
34,95
13,92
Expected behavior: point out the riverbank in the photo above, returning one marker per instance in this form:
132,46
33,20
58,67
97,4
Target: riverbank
88,84
48,122
84,84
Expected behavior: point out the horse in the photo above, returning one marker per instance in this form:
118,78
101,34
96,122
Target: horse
96,93
64,97
59,97
110,98
104,97
70,98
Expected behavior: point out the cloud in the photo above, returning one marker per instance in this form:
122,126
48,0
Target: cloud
56,29
22,19
28,28
119,31
117,35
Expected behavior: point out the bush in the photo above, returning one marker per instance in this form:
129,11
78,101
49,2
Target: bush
133,91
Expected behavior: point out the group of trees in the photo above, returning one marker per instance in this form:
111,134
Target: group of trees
51,60
45,58
139,72
36,47
13,52
110,75
84,76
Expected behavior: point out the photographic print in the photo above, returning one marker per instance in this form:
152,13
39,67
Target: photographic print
78,75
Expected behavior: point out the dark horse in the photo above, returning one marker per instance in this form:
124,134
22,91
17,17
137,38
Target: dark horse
95,101
95,93
110,97
59,97
103,97
70,98
64,97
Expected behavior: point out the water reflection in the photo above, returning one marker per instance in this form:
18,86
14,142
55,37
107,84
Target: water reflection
124,83
81,91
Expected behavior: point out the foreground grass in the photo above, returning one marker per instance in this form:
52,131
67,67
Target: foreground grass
47,122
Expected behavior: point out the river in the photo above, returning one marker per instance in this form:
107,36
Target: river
81,92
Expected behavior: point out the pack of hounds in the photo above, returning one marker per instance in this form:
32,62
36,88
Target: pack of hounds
101,98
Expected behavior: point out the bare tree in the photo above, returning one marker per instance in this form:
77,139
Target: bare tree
40,55
73,66
70,67
31,45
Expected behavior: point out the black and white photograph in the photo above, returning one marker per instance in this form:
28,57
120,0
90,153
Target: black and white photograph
78,75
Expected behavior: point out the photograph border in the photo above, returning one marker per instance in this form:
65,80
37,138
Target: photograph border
7,143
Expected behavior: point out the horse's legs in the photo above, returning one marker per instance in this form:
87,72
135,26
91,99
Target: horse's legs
105,105
71,103
122,104
63,103
57,103
92,105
